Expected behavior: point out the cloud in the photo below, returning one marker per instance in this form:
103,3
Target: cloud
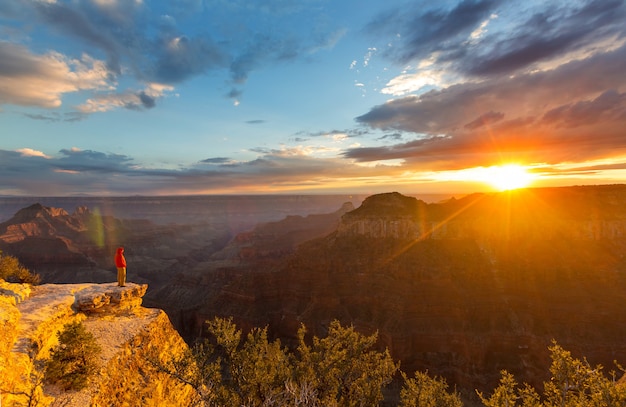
28,79
485,120
124,41
29,152
216,160
574,111
467,41
75,171
133,100
76,160
549,34
426,30
180,58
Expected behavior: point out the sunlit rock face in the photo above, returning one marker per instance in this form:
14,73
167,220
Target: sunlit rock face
462,288
128,334
389,215
551,213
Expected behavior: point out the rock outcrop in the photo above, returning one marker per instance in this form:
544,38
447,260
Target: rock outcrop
128,334
591,212
463,288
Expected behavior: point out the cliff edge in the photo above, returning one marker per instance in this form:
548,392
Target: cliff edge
129,335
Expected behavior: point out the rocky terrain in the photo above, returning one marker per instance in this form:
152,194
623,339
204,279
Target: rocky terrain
30,318
462,288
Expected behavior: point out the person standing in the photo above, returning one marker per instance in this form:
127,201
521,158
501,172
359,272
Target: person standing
120,263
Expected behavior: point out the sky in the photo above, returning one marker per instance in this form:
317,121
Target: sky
182,97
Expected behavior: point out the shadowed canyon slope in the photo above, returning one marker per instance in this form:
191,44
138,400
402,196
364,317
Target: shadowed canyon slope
462,288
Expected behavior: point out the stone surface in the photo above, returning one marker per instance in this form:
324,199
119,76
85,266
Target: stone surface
110,297
31,317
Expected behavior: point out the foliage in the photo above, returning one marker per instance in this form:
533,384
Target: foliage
339,370
12,270
74,361
425,391
573,383
342,369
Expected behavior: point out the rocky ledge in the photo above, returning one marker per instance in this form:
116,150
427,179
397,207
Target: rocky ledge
110,298
128,334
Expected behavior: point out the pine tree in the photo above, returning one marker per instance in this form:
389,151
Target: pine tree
74,361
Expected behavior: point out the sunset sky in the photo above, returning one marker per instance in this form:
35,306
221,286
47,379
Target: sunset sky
143,97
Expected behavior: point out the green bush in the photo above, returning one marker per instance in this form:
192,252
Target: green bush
232,369
573,383
343,369
11,270
74,361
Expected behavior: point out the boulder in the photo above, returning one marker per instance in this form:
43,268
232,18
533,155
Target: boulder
110,298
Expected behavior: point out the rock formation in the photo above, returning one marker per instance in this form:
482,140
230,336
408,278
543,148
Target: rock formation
463,288
128,334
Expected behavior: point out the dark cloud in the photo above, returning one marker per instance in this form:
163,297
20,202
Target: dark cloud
573,112
485,120
56,117
180,58
392,136
234,94
146,100
93,172
549,32
216,160
154,47
609,106
425,29
257,121
359,132
89,160
78,23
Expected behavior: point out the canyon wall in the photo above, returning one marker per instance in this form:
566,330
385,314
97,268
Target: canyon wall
128,334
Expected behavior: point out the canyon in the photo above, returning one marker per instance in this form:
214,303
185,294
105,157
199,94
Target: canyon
462,288
128,335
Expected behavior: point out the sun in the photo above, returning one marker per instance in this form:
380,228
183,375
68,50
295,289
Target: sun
507,177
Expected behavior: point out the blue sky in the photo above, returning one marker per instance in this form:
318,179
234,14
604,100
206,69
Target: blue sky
125,97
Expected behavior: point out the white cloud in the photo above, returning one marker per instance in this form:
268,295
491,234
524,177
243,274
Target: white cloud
29,79
29,152
137,100
413,82
481,30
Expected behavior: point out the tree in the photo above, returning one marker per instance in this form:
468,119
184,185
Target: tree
73,362
573,383
12,270
230,369
425,391
342,368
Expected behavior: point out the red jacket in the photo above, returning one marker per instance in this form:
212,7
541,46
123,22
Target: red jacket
120,261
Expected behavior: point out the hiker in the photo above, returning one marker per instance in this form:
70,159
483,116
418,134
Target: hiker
120,263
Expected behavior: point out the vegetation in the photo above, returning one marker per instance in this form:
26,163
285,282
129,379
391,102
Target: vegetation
342,369
339,370
11,270
573,383
73,362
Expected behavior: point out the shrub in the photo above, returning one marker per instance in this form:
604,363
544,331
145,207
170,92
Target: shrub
73,362
11,270
339,370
